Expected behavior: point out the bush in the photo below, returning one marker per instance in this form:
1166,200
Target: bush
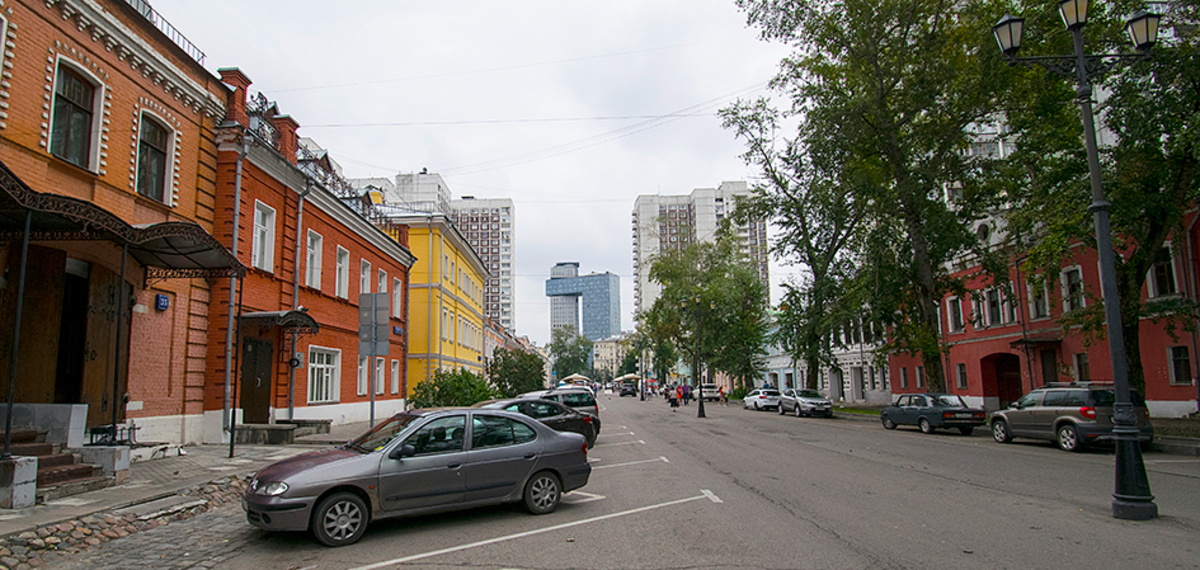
738,393
451,388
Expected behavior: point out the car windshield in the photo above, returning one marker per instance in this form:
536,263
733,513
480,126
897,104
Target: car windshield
809,394
381,434
949,401
576,399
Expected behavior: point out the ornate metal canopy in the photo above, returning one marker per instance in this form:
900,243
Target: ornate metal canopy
296,322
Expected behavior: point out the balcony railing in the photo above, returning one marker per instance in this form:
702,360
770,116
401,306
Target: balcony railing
143,7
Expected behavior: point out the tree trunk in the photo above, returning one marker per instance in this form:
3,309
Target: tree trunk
926,304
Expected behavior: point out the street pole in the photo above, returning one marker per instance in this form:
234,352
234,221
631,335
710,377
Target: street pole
1131,499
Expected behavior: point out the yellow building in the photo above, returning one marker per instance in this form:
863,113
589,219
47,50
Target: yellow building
445,299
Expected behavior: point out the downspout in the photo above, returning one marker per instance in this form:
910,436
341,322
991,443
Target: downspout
237,210
429,304
1190,260
441,293
296,296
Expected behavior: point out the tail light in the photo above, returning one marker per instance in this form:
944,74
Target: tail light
1088,412
585,448
947,414
587,418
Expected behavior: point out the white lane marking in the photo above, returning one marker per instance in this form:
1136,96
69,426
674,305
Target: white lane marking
579,497
660,458
641,441
712,497
498,539
620,433
1171,461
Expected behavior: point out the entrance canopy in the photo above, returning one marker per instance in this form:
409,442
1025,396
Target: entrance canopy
576,378
297,321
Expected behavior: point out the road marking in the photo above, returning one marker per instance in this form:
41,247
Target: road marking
660,458
579,497
641,441
1171,460
712,497
499,539
621,433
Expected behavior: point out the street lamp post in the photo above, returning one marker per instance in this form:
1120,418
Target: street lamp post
698,313
1131,499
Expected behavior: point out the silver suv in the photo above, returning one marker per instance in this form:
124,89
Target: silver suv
1069,414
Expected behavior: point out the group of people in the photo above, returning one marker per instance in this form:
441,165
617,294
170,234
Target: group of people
684,393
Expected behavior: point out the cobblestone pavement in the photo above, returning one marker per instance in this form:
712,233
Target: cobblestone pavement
201,542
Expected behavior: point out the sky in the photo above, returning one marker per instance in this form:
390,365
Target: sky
570,108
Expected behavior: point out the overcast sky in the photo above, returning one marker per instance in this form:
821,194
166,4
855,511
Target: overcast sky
570,108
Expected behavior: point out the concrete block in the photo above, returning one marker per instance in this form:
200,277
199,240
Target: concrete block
113,460
18,482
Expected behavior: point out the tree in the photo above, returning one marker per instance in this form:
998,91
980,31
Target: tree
894,85
1151,169
656,333
571,352
629,365
514,372
451,388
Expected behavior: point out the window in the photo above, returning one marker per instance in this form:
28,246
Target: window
382,288
443,435
1181,366
364,277
395,376
71,137
1049,360
312,266
262,255
1082,374
154,142
379,375
977,320
920,376
1162,275
904,377
962,376
956,316
993,307
1008,305
363,371
397,299
323,375
1072,280
343,273
492,431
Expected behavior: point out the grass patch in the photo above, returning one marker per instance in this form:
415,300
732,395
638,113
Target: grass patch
851,410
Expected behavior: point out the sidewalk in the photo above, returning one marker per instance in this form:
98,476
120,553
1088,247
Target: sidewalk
160,483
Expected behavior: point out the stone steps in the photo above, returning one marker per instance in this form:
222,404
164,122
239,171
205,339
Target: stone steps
59,474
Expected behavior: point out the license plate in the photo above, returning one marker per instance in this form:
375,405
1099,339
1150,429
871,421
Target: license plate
965,416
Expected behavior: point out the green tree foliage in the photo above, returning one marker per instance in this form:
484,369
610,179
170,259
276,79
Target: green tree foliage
451,388
514,372
656,333
629,364
1150,168
571,353
889,88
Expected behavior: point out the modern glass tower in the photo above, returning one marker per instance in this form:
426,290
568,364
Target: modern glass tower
598,293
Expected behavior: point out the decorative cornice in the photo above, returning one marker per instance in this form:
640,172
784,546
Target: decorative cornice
115,37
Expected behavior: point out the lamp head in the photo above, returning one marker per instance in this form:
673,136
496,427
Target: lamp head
1143,30
1008,32
1074,13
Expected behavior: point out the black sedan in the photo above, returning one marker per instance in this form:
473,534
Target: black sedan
933,411
556,416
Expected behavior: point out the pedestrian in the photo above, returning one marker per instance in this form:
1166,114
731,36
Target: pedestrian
724,399
673,399
687,394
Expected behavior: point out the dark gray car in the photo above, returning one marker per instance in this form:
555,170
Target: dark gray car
1071,415
417,462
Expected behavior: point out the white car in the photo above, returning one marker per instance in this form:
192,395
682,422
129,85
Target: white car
761,399
710,392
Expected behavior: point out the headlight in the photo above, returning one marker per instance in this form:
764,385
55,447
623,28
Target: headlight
271,489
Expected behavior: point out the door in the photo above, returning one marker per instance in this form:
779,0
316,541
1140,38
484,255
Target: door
904,413
1008,379
100,362
1021,418
256,380
503,453
433,476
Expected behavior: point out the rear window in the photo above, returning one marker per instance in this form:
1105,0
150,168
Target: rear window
578,400
770,393
1106,398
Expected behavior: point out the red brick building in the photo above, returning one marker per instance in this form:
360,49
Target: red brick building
311,247
1004,341
107,143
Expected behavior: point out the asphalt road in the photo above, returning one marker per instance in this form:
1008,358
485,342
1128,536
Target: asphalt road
743,489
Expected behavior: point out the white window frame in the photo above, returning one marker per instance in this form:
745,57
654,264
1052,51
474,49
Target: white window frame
961,324
98,90
1066,288
397,298
904,377
920,376
1152,282
380,375
312,263
961,369
262,250
395,376
363,371
1075,360
364,276
333,377
169,159
381,285
1175,380
1033,314
342,288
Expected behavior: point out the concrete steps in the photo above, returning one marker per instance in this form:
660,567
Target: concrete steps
59,474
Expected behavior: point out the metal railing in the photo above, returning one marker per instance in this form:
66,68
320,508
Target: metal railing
143,7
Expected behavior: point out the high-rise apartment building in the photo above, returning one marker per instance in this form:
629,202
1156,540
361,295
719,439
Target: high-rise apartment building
599,294
671,222
488,225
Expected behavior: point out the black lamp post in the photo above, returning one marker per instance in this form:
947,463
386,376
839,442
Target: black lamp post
1131,499
699,314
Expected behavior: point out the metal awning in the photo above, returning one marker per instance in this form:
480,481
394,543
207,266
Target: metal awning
296,321
1035,341
165,249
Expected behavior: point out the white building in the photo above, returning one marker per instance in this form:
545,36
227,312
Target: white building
609,353
489,225
670,222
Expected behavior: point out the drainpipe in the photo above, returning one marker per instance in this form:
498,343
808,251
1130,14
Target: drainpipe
237,210
441,307
429,304
296,295
1190,260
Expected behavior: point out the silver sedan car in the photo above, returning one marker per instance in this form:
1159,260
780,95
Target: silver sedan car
805,403
418,462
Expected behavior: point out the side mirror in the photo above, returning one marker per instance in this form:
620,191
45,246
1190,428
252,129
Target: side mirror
1014,406
403,451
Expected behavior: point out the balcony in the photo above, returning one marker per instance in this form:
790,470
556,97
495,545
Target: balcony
143,7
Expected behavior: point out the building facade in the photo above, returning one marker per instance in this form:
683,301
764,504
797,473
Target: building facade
662,223
608,354
597,297
108,154
313,246
489,226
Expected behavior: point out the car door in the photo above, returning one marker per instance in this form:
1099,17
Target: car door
503,452
433,475
918,406
787,401
1021,417
904,411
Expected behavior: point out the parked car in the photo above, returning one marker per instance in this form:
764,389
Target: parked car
551,413
628,390
581,399
710,392
417,462
1069,414
930,412
805,403
761,399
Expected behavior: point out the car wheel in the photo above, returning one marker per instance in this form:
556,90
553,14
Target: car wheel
925,426
968,430
339,520
1068,438
781,410
798,412
1000,432
542,493
887,421
756,405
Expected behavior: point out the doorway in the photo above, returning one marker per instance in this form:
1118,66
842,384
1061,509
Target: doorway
256,380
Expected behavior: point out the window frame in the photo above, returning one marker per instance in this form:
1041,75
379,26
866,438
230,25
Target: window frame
1173,365
364,276
262,247
395,376
961,369
332,382
342,268
1083,370
956,321
312,263
1068,298
92,152
1034,313
1152,288
168,153
364,371
397,298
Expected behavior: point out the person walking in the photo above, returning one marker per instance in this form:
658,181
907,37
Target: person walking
724,398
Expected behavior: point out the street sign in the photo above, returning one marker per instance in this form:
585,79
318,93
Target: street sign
373,325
